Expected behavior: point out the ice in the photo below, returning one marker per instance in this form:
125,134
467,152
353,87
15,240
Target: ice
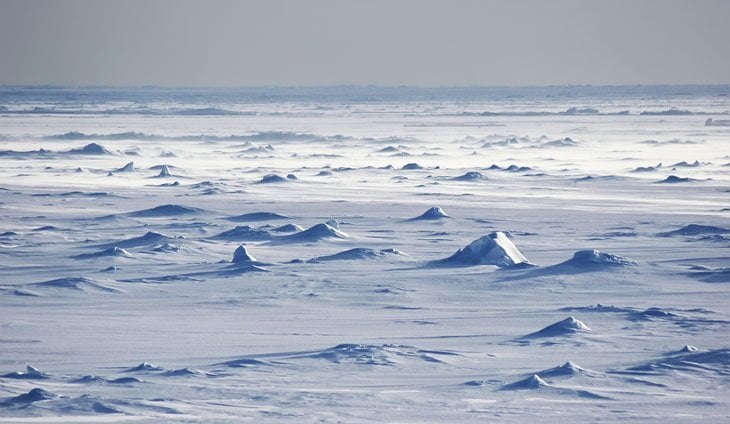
129,167
566,327
258,216
241,256
433,213
401,277
313,234
165,210
493,249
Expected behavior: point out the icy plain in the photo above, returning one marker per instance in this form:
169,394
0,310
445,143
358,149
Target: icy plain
365,254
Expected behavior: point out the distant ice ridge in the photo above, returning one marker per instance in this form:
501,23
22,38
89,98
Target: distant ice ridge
493,249
367,354
258,216
166,210
513,141
255,136
91,149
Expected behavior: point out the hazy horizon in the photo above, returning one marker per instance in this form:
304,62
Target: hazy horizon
279,43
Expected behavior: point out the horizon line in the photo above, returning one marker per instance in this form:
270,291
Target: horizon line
316,86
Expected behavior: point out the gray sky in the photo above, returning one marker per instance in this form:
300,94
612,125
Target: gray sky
390,42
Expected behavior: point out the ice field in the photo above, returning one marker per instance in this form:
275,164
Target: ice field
365,254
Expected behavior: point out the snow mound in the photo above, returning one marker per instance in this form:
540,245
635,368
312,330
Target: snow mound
271,178
244,232
711,361
287,228
365,354
315,233
148,239
164,172
562,142
183,372
166,247
98,379
112,251
530,383
165,210
31,373
412,165
565,327
359,253
258,216
567,369
695,230
34,395
432,214
717,275
90,149
685,164
673,179
517,168
493,249
144,367
241,256
126,168
75,283
470,176
244,363
595,258
647,168
689,349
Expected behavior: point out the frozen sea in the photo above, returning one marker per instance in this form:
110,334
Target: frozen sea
365,254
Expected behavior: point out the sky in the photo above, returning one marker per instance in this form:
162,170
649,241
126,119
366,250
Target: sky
383,42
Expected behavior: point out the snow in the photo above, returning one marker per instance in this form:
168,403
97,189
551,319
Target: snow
493,249
566,327
241,256
433,213
133,298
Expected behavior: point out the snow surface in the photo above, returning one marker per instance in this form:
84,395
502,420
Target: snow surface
135,296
